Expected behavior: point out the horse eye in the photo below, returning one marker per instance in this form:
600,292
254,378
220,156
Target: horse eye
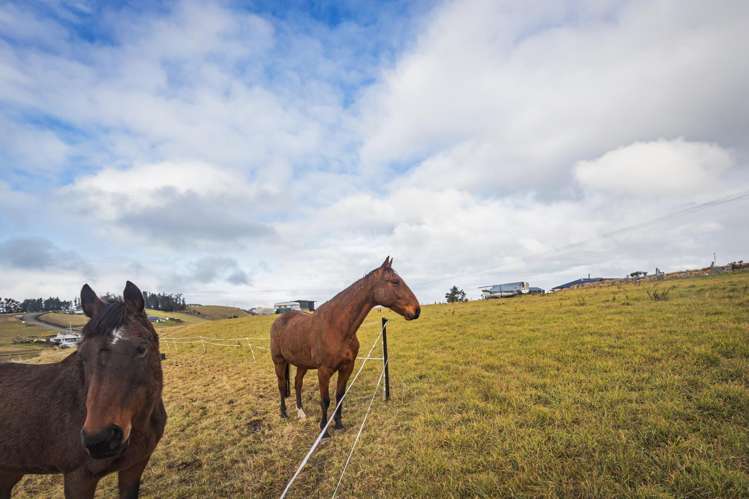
140,350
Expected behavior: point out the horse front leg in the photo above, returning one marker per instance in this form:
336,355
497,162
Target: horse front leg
80,484
323,376
344,373
7,480
128,481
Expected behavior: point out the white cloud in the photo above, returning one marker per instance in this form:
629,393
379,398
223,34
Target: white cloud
244,159
494,98
28,149
656,168
173,203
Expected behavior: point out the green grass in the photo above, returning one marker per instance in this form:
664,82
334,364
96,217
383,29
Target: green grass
598,392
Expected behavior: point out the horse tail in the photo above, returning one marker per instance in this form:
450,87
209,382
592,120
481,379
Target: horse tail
288,382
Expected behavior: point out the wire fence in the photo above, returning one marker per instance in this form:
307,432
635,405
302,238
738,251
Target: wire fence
173,344
251,343
323,431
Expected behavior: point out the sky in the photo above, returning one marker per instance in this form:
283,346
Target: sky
244,153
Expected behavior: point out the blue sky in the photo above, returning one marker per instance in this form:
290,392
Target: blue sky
248,152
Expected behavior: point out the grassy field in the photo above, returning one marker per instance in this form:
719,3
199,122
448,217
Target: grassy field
77,321
60,319
598,392
194,314
216,312
182,318
11,327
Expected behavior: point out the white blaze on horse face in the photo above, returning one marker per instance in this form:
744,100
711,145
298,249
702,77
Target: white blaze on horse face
117,335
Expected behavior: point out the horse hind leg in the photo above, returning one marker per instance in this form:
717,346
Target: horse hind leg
287,377
298,381
282,370
7,482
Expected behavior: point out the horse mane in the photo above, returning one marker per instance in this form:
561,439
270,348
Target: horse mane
112,317
355,286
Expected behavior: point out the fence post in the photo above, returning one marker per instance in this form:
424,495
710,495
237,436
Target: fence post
386,386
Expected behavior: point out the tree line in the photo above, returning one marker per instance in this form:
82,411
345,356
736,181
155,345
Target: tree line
9,305
158,301
165,301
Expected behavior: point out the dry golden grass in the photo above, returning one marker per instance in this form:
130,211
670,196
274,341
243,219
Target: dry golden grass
60,319
181,318
216,312
11,327
588,393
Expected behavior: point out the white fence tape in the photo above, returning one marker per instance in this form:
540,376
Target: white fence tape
319,438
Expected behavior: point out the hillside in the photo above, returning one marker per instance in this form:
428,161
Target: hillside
12,327
76,321
214,312
590,392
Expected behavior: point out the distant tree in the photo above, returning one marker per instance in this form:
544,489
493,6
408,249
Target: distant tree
9,306
455,295
43,304
164,301
32,305
109,297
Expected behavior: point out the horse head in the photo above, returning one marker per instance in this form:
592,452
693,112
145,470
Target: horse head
122,369
391,291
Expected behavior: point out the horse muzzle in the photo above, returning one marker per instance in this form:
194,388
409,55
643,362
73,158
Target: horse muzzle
106,443
414,315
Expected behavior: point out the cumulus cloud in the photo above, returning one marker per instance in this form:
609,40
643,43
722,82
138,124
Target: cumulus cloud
213,268
174,203
244,157
493,98
38,254
656,168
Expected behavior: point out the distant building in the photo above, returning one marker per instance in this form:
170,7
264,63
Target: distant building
533,290
67,339
261,311
287,306
504,290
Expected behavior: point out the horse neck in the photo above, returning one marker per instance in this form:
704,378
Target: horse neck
347,310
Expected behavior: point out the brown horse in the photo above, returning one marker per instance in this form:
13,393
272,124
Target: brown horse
97,411
326,340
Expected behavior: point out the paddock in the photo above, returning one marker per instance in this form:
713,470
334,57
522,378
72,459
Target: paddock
587,392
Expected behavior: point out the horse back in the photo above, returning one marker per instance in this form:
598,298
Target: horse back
293,338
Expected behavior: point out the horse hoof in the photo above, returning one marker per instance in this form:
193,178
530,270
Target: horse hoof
339,425
284,415
300,413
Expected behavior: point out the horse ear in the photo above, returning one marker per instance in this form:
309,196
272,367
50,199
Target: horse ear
133,298
90,302
386,263
390,265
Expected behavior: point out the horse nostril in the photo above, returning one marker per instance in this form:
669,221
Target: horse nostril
417,313
104,443
115,439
